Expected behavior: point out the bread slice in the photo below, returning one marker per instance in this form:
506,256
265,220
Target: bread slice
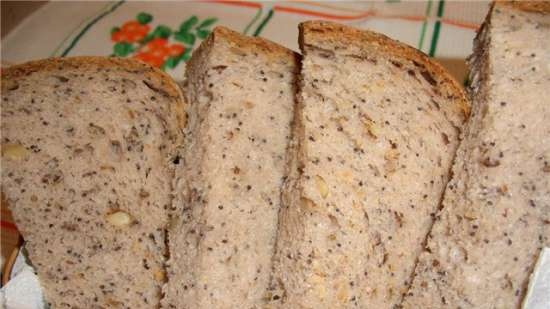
496,215
241,93
87,145
377,127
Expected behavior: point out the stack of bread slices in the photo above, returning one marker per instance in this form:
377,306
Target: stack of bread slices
354,175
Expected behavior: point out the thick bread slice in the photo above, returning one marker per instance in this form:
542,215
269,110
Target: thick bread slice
377,128
496,215
86,170
241,92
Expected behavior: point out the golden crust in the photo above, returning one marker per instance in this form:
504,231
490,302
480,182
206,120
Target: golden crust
542,7
332,36
230,43
253,44
92,62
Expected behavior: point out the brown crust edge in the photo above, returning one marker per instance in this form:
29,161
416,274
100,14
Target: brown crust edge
159,79
254,44
542,7
368,40
238,44
84,62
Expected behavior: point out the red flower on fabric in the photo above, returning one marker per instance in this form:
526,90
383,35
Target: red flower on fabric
132,31
135,38
156,51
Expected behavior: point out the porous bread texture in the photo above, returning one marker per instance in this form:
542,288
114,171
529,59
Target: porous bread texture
376,129
241,92
87,144
496,215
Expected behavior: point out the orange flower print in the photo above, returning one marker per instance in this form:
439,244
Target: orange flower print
136,38
176,50
156,51
150,59
156,43
132,31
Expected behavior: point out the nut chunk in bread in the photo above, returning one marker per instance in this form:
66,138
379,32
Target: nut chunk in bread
241,94
496,215
86,149
377,127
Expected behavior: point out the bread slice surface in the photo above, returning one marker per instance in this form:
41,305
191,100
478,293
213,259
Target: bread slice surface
496,215
241,93
86,171
376,129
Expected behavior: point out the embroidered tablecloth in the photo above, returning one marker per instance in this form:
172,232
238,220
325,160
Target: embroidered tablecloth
165,33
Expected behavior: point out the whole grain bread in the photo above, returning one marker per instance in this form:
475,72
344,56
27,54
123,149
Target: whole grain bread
376,128
241,93
496,215
87,148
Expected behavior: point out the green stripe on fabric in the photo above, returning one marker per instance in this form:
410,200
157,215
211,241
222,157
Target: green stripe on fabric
263,23
253,21
424,25
54,53
437,28
88,26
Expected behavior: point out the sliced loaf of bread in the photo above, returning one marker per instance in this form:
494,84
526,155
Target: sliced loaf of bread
376,129
87,145
496,215
241,93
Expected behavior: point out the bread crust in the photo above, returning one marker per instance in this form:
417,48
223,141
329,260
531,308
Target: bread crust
334,37
90,62
160,80
261,46
542,7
